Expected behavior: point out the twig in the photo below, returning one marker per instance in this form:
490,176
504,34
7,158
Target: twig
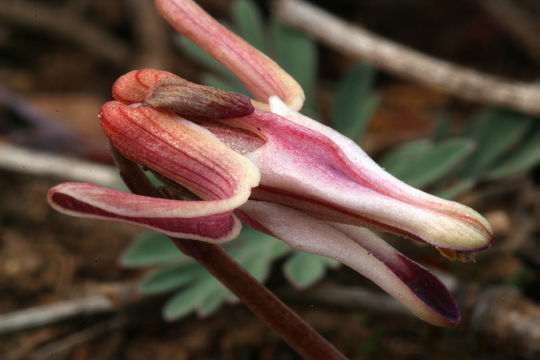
104,298
357,297
519,24
58,348
54,313
65,24
19,159
346,297
408,63
278,316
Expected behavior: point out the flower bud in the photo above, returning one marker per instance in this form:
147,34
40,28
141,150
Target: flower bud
197,101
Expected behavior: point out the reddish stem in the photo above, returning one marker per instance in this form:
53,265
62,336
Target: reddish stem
278,316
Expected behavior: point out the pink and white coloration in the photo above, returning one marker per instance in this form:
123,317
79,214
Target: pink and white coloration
277,170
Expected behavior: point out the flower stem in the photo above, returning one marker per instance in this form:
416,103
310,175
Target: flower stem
278,316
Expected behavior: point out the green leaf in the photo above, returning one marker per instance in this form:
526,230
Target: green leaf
297,54
248,244
223,83
151,249
433,165
248,20
441,131
255,251
354,103
496,133
201,57
399,159
303,269
478,124
332,263
230,297
119,185
257,266
243,250
170,278
456,189
525,157
257,241
279,249
212,302
153,178
188,300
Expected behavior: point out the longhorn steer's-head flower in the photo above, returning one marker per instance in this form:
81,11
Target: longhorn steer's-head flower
277,170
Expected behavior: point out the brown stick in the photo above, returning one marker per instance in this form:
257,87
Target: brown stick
408,63
278,316
102,299
53,313
39,163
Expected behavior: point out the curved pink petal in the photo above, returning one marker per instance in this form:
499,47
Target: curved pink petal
360,249
453,217
262,76
372,172
180,150
308,171
210,221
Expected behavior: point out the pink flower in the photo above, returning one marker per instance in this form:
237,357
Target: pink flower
277,170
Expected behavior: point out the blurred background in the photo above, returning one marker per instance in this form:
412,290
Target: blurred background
84,289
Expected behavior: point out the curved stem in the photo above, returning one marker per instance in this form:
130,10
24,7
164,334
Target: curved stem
278,316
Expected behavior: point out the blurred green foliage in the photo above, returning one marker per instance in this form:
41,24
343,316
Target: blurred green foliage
497,143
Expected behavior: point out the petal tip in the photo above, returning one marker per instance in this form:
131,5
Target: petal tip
430,290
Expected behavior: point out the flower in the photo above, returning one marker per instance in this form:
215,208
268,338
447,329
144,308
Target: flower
275,169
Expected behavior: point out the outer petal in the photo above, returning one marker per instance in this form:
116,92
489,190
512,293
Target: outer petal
306,170
210,221
262,76
180,150
411,284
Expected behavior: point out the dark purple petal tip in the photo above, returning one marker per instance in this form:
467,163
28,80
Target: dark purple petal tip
427,288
